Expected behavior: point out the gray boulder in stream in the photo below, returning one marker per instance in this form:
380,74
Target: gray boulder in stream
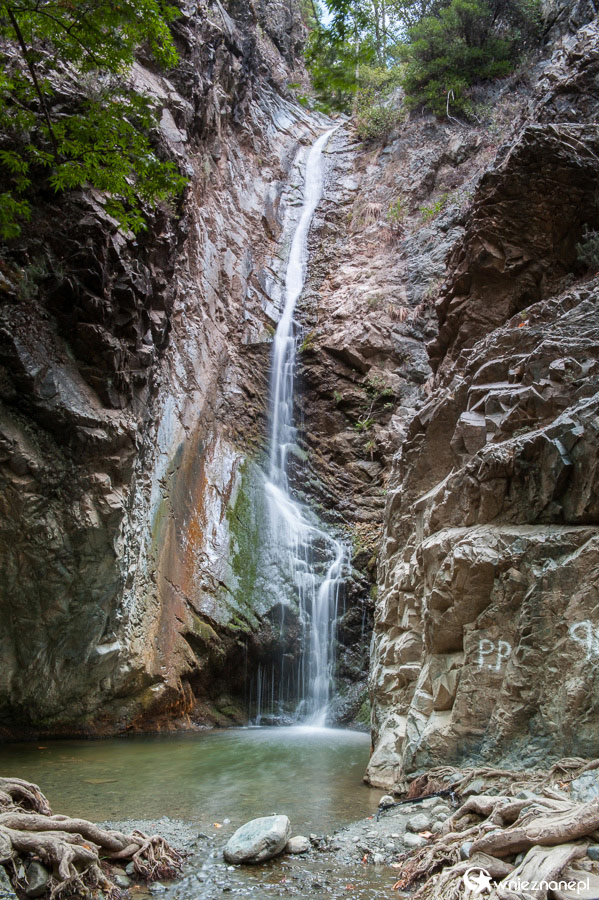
258,840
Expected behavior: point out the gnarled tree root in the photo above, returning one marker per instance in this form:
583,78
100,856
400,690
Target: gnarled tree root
494,828
72,849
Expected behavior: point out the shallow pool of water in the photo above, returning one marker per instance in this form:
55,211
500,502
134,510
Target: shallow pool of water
314,775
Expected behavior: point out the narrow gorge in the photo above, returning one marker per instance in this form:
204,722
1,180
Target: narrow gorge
307,469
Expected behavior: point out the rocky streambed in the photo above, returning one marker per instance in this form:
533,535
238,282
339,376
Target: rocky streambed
538,826
511,828
355,861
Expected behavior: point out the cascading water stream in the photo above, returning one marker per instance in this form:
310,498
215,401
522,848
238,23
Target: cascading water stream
313,560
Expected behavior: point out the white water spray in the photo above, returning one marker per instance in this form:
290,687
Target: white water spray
313,560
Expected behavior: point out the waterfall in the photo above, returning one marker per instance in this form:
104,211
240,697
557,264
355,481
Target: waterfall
312,560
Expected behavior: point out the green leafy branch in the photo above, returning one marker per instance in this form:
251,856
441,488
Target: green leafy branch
104,140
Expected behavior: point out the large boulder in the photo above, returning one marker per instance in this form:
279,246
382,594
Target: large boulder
258,840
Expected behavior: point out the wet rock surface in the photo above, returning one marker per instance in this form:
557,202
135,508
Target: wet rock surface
6,891
258,840
132,388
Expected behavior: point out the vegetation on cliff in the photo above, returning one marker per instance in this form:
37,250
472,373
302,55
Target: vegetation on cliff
70,115
361,50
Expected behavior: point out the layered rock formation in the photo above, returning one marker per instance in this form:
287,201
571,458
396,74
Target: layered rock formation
133,386
485,643
133,389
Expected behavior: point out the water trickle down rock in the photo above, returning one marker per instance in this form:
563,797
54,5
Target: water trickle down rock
132,386
312,559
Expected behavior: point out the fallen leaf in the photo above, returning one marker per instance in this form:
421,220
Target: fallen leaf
425,834
217,825
365,858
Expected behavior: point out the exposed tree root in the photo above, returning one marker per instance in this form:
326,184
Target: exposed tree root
14,792
540,864
542,830
511,781
72,849
515,813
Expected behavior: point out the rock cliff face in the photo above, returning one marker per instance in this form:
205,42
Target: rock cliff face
133,383
485,644
366,314
449,367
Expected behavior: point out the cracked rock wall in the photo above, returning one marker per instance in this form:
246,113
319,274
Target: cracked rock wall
132,390
487,619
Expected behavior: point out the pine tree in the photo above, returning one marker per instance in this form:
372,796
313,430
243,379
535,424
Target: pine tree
466,42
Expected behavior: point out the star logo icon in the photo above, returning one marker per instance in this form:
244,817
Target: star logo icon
477,880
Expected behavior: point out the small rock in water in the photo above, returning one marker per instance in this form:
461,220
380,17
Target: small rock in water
418,823
37,879
378,859
157,888
593,852
130,869
413,841
386,800
297,844
122,881
226,821
258,840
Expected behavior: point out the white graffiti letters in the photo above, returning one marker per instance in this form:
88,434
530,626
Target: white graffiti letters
586,634
492,655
